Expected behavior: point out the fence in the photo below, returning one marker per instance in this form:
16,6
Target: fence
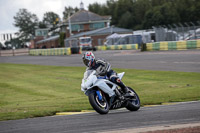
176,33
14,52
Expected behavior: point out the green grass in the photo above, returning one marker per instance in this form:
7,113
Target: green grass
33,90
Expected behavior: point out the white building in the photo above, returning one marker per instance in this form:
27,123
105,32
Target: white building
6,37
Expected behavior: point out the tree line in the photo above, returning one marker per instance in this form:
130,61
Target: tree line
130,14
143,14
28,22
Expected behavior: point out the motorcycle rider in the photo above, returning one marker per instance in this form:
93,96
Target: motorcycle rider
103,68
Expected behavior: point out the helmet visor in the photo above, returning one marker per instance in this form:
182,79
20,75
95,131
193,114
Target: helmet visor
86,62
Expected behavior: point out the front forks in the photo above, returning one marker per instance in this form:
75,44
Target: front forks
98,92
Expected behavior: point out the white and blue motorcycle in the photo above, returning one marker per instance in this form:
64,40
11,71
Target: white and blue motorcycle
104,95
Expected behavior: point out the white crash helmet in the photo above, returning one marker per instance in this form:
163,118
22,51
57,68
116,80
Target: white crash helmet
88,59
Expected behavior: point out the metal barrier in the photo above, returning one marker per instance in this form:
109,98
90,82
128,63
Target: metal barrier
177,32
14,52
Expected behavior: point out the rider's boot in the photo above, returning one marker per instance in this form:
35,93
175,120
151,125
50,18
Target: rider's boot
126,92
122,86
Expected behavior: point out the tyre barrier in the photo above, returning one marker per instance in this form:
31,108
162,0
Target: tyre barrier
118,47
101,47
52,51
178,45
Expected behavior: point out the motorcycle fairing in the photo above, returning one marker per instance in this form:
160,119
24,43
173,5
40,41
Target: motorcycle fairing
101,84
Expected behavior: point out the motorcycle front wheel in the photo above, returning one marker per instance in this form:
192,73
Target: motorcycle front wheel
100,106
133,104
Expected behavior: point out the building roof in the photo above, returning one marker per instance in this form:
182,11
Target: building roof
87,16
115,35
48,39
102,31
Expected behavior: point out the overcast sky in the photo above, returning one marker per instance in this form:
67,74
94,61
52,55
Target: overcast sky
9,8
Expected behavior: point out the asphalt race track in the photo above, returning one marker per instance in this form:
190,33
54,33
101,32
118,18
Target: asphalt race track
182,113
116,120
186,61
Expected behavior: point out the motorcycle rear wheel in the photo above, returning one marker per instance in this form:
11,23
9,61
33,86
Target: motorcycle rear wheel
133,105
102,107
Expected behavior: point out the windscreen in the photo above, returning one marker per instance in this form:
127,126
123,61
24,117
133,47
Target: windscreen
87,73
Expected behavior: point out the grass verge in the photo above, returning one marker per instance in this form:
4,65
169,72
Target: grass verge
33,90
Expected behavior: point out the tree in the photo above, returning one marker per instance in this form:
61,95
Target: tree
26,22
121,8
126,20
61,39
161,15
111,8
148,13
97,8
139,9
188,10
69,11
42,25
50,18
195,11
117,9
17,43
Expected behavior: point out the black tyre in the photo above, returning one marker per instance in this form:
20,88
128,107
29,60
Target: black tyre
102,106
133,105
